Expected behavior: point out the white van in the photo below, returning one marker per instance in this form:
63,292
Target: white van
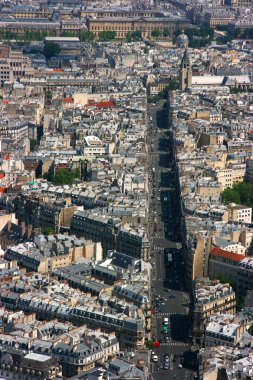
165,321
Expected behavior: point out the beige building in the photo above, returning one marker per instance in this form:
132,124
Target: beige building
224,177
14,65
124,25
209,297
225,330
209,189
212,19
80,98
246,238
89,250
210,138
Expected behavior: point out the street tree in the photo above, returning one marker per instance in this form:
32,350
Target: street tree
51,49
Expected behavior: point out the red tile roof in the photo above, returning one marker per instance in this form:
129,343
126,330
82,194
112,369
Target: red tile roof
68,100
105,104
226,255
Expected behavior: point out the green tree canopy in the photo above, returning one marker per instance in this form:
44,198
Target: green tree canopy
65,177
241,193
107,35
250,329
173,85
149,344
166,32
155,33
230,196
51,49
85,35
239,304
69,34
48,231
198,37
134,36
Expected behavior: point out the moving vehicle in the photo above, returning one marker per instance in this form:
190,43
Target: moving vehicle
154,358
165,321
165,330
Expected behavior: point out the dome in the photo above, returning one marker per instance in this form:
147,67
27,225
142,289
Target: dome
182,38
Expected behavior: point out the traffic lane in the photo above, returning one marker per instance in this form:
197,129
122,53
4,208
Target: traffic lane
178,325
174,372
172,305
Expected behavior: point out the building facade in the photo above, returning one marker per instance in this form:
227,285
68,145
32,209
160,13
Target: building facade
209,297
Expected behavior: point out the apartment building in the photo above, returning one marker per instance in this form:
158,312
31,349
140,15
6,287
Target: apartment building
30,366
225,264
224,177
209,297
240,214
224,330
245,276
14,65
249,171
77,357
44,212
111,233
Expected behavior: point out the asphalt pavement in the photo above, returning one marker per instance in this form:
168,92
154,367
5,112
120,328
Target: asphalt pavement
168,295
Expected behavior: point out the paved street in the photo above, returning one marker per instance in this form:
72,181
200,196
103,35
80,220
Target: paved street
169,299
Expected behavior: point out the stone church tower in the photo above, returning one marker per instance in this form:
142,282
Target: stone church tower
185,73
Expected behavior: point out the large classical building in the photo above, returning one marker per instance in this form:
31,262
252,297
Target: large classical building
124,25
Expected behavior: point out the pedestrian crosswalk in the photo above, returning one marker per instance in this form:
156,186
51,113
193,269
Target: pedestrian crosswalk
164,314
177,344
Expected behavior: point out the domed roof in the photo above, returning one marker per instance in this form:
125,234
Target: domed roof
182,38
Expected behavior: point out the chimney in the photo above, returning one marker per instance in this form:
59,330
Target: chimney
9,225
23,228
222,374
29,231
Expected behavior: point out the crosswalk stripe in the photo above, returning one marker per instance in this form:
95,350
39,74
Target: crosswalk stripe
168,314
173,344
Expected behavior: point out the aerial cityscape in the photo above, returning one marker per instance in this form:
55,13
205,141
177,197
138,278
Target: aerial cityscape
126,190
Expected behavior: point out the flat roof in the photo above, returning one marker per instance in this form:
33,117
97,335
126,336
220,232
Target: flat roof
61,39
38,357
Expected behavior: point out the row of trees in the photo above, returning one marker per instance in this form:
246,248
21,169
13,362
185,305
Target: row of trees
198,37
29,35
232,34
238,90
38,35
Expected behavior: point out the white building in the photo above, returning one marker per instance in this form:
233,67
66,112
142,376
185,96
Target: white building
239,213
